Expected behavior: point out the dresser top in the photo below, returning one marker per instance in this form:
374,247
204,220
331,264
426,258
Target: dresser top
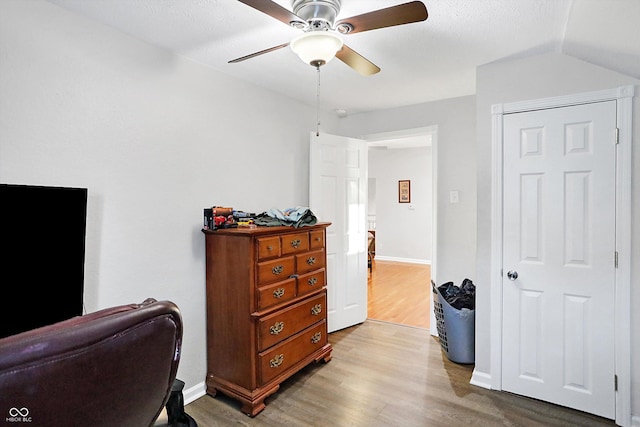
267,230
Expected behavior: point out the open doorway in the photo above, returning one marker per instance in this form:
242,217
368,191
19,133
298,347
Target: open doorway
403,227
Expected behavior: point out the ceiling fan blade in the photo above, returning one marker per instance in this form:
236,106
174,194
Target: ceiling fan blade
253,55
356,61
274,10
406,13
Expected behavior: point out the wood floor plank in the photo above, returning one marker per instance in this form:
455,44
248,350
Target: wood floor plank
399,292
384,374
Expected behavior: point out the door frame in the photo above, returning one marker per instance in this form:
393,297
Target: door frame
432,132
623,96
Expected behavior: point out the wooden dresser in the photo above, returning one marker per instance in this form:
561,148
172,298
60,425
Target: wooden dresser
266,309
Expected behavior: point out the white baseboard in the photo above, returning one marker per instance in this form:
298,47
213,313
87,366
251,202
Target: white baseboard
193,393
407,260
481,379
635,420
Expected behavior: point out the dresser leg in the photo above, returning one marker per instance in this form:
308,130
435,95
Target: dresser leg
255,406
325,355
252,409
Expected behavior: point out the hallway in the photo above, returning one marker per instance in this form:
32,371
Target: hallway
399,292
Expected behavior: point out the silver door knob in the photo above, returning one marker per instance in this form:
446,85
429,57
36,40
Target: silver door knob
512,275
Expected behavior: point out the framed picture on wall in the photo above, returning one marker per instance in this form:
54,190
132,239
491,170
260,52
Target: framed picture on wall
404,191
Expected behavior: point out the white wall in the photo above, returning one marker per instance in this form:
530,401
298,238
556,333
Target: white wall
155,139
455,158
533,78
403,230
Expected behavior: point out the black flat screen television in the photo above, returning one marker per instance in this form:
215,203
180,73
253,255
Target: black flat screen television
42,242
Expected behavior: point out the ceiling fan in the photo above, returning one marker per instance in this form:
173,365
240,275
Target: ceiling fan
320,41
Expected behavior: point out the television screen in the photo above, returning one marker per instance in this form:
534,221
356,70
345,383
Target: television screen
42,242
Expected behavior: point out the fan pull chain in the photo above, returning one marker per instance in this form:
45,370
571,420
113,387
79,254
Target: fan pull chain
318,103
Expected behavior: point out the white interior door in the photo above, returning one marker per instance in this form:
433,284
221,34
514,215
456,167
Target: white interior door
559,239
338,194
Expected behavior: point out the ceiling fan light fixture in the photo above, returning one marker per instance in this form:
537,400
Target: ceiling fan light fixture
316,47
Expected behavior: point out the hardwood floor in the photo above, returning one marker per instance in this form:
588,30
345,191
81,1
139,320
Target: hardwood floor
384,374
399,293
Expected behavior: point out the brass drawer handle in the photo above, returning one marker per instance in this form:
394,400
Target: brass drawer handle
311,260
316,309
277,269
312,281
295,243
276,328
278,293
316,337
269,248
276,361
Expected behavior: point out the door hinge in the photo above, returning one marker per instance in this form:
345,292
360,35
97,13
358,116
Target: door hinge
615,259
615,382
617,136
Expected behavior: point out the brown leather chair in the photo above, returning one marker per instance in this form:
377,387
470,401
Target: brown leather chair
114,367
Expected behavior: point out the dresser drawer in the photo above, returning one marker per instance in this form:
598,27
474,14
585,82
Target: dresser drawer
268,247
295,243
278,359
309,261
276,270
310,282
281,325
316,239
276,293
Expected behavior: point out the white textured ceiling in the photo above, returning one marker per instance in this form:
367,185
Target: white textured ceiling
420,62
